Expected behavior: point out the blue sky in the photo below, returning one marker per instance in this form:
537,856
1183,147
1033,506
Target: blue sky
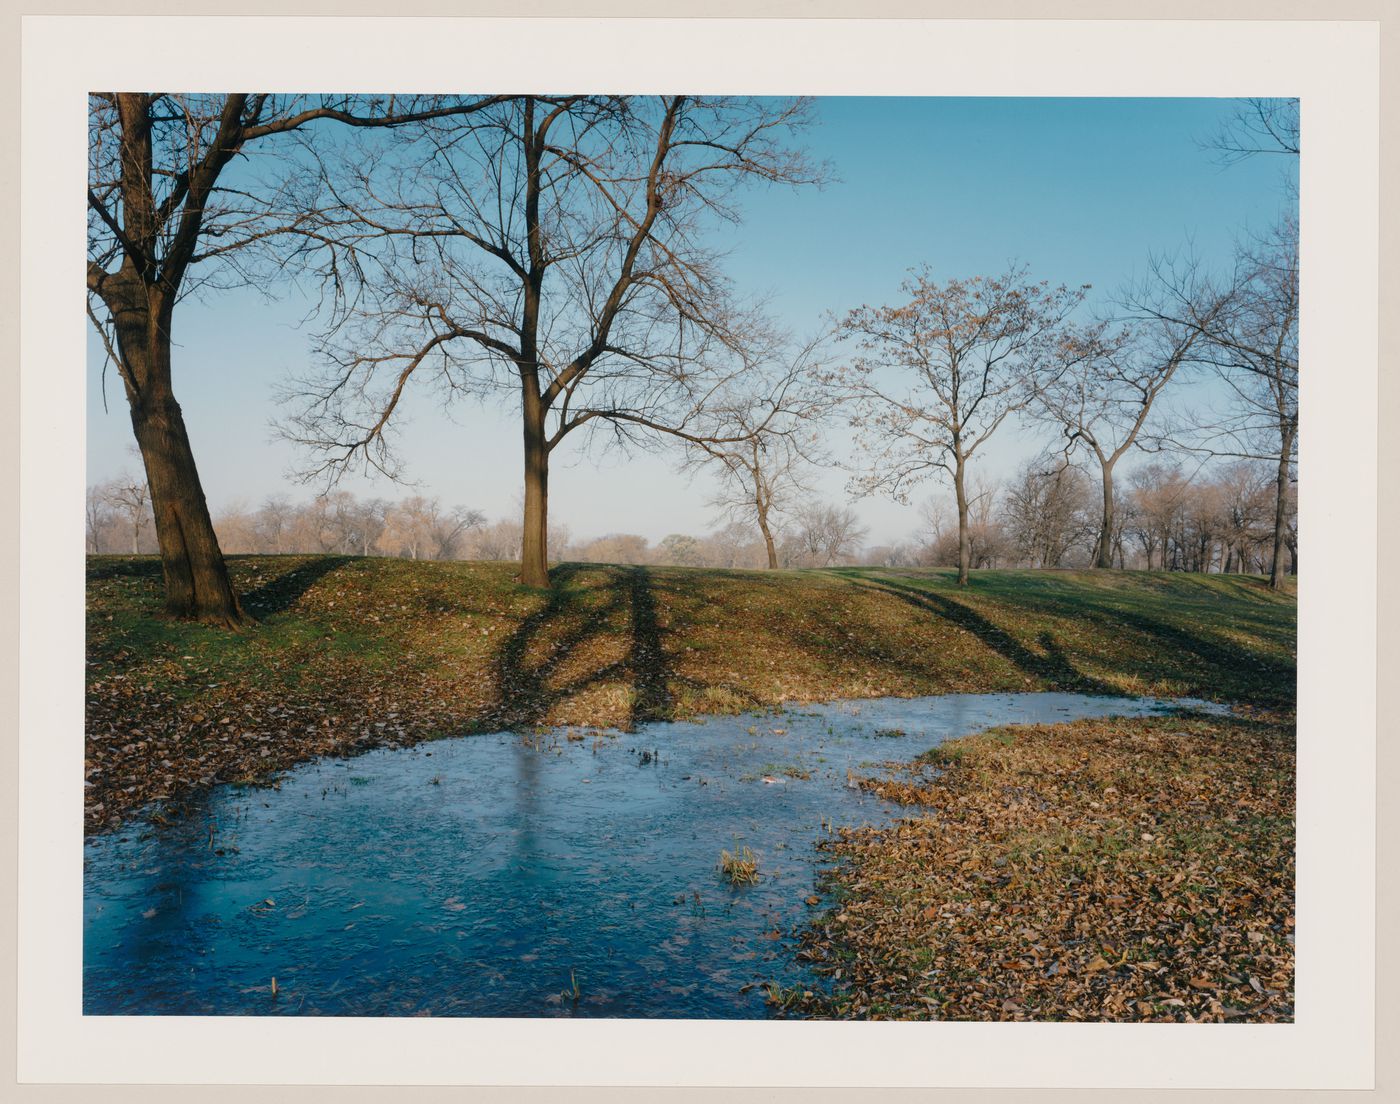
1081,191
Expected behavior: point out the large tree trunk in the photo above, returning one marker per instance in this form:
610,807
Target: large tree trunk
534,549
1281,508
964,539
196,579
1104,557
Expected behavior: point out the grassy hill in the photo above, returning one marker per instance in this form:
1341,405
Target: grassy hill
1104,870
355,652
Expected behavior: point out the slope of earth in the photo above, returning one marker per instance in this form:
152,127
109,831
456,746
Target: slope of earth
353,652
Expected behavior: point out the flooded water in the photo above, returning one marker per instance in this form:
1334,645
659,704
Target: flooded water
510,875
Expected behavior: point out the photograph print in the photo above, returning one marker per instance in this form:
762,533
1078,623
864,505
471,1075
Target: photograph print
691,557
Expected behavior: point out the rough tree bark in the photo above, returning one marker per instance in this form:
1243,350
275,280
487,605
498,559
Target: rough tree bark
534,549
196,578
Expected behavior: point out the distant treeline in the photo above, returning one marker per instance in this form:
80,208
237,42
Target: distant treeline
1048,516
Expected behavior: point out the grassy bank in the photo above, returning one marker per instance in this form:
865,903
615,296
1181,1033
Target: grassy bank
1103,870
352,653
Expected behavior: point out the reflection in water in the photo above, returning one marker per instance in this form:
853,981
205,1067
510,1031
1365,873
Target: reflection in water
526,760
510,875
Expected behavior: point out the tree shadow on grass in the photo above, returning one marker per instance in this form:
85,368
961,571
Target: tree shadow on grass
107,567
1187,652
1185,635
1234,670
564,626
529,664
280,594
652,669
1051,665
525,687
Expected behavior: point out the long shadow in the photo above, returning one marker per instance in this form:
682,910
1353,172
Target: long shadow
528,686
1244,670
1052,665
281,593
1233,669
526,690
1254,605
652,669
522,687
656,679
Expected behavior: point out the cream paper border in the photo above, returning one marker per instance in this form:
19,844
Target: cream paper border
1333,66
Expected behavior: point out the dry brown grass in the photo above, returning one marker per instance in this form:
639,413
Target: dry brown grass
1103,870
738,867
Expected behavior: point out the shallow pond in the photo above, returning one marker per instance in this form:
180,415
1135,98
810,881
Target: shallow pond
511,875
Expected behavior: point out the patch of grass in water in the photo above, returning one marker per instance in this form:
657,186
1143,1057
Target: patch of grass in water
787,770
739,867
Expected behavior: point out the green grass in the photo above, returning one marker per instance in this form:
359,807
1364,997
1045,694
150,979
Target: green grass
345,644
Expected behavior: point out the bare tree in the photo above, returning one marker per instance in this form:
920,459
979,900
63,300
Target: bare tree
349,525
1159,490
130,497
1246,509
98,517
237,529
899,554
419,528
680,550
1102,400
1291,537
1266,306
938,375
933,529
733,546
988,546
1201,524
367,523
1048,511
550,252
163,223
1261,125
1247,334
824,534
618,548
761,439
448,528
498,541
315,529
275,518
